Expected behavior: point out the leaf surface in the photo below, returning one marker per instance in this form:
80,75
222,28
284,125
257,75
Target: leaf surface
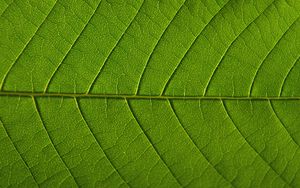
149,93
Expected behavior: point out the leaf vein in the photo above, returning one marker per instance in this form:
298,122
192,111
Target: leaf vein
71,47
268,54
193,142
50,139
190,47
25,47
248,143
81,95
230,46
150,141
97,141
27,166
287,75
281,122
6,8
91,85
157,43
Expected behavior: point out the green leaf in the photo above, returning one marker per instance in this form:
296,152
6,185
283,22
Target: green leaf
149,93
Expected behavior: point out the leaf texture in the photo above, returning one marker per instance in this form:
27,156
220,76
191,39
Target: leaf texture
149,93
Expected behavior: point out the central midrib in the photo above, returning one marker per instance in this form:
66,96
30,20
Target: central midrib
128,96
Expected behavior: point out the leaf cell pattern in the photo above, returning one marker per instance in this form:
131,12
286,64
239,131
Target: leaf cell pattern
149,93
